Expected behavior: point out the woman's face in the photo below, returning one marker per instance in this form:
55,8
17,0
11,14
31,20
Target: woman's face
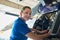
26,14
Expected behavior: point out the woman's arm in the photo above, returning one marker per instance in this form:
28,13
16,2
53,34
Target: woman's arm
34,36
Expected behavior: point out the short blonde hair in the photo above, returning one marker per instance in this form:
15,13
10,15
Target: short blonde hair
24,8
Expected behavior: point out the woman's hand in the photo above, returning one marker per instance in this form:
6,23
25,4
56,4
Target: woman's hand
42,32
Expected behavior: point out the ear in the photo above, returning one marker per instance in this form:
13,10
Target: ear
20,13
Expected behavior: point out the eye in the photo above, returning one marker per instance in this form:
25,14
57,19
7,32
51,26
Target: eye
27,13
